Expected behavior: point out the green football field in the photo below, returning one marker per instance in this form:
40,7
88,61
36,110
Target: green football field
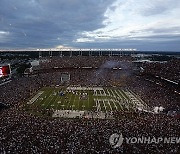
99,99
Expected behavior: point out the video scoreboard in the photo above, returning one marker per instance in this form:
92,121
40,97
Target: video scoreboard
5,70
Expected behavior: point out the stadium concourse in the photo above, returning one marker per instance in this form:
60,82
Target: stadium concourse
24,130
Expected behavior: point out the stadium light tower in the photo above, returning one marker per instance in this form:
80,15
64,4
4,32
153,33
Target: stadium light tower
40,54
50,53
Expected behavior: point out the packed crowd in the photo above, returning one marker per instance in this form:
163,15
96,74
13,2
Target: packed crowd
168,70
23,132
18,90
81,61
155,94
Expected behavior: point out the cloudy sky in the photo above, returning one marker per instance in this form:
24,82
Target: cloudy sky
140,24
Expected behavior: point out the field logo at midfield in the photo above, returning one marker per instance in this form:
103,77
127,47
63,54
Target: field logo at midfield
116,140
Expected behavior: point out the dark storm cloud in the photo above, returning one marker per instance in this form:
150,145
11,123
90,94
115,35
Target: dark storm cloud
49,23
42,23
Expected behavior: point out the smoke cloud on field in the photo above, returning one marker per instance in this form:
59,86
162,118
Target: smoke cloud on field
117,69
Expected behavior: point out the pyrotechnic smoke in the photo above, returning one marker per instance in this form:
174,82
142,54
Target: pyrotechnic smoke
123,70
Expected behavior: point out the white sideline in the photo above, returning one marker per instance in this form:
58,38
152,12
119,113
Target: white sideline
35,97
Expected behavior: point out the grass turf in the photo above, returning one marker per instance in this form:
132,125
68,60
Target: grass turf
108,99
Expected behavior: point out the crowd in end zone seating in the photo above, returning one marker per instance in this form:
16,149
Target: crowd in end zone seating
168,70
23,132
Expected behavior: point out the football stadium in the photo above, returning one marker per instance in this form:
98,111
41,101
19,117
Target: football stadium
78,98
89,76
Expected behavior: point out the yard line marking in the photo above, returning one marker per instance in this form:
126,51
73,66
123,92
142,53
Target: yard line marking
39,103
125,96
120,97
84,102
121,94
108,92
96,105
79,101
104,105
99,106
115,105
59,100
49,101
134,100
51,95
79,92
120,105
69,100
75,98
113,93
56,99
109,105
88,93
